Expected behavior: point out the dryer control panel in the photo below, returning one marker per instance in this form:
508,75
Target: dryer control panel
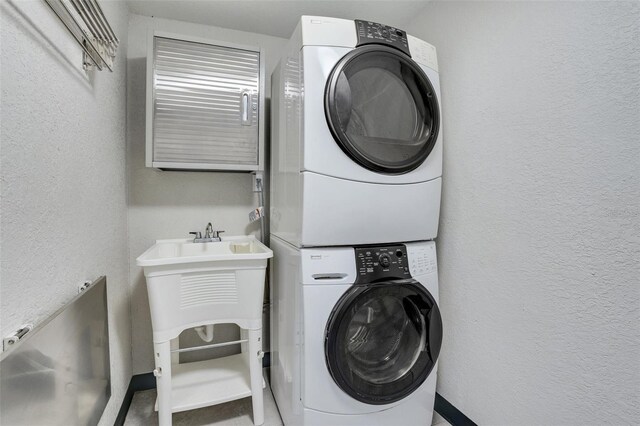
376,263
373,33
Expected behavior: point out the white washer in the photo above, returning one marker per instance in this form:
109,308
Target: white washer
356,136
355,334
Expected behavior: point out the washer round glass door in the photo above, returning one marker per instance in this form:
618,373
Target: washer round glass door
382,340
382,109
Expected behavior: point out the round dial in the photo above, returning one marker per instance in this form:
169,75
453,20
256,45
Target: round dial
384,260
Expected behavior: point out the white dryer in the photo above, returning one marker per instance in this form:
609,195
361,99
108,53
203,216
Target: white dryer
356,136
355,334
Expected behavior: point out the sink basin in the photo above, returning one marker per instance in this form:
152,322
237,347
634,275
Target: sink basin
192,284
171,252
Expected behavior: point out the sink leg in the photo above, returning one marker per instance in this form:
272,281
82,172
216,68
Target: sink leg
255,369
244,347
163,380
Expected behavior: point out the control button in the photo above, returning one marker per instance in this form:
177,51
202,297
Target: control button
399,253
384,260
399,33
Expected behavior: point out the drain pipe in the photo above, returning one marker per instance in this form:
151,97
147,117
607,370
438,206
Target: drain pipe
261,195
205,332
259,213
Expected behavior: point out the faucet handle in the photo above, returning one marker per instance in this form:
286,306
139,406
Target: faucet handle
216,234
196,234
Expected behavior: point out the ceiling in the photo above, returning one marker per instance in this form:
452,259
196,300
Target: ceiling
275,18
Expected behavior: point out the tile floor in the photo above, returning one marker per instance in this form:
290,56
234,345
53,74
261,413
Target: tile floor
234,413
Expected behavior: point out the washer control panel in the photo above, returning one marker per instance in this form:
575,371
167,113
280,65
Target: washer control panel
422,258
380,262
373,33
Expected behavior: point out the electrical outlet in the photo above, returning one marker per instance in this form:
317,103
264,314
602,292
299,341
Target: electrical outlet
257,177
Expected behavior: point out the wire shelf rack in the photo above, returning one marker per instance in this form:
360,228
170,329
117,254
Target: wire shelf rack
88,24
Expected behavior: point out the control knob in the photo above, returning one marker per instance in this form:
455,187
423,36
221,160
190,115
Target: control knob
384,260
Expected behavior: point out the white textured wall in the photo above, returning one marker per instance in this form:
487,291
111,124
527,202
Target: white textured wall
64,213
169,204
539,244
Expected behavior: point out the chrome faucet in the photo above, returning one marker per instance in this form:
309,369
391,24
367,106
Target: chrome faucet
209,235
208,231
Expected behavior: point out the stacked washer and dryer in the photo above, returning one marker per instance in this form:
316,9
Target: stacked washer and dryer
355,201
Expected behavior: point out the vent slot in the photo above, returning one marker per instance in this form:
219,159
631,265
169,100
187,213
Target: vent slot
208,289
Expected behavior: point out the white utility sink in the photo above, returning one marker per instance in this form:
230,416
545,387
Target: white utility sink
191,284
171,252
195,284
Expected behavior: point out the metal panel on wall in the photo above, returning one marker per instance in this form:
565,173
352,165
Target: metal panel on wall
59,373
206,101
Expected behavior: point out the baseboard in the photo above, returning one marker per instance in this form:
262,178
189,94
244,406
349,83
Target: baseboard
124,408
266,360
450,413
139,382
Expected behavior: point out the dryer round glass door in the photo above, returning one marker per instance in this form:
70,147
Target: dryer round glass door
382,109
382,340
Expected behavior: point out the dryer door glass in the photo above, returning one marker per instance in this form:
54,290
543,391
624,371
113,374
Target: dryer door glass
382,340
382,109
